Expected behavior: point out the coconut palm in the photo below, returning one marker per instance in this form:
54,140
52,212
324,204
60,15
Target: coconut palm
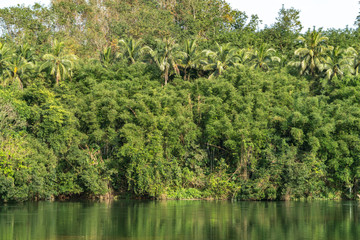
107,56
189,58
354,57
27,52
217,61
58,62
243,56
336,62
165,57
261,57
5,56
16,69
133,49
312,55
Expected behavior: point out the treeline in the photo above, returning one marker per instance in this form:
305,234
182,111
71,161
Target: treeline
175,99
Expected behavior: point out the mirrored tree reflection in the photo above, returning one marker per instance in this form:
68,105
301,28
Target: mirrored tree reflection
180,220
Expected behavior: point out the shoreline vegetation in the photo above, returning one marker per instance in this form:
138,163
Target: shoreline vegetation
175,100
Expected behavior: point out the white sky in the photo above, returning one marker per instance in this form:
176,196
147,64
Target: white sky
319,13
10,3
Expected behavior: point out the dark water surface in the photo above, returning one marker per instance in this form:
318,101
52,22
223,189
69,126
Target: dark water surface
180,220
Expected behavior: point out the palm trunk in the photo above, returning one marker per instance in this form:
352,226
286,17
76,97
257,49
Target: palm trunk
166,75
20,83
57,75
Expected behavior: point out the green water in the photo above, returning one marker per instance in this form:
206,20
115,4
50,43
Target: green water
180,220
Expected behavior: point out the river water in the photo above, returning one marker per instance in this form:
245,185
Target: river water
128,219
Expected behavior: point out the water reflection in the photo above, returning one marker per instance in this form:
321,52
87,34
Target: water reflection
180,220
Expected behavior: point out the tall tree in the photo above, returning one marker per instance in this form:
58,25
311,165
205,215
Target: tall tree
336,62
218,60
133,49
5,56
27,52
283,33
355,60
262,56
32,24
241,21
58,62
165,57
357,21
16,69
189,57
313,53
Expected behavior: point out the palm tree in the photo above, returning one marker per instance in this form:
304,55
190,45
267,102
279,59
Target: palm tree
354,57
17,68
262,56
243,55
133,49
165,57
107,56
58,62
312,54
5,56
189,58
27,52
218,61
336,62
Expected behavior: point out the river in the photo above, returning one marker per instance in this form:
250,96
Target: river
129,219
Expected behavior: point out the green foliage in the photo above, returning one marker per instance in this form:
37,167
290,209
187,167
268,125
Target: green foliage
312,54
262,57
218,60
204,106
283,33
27,167
58,63
185,193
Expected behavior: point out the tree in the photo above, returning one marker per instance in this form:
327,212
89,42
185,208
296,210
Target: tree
355,60
16,68
241,21
165,56
5,56
189,58
58,62
286,28
243,55
9,119
31,24
262,56
107,56
336,62
288,21
312,54
27,52
218,60
357,21
133,49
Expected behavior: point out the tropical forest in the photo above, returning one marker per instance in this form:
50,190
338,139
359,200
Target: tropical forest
175,99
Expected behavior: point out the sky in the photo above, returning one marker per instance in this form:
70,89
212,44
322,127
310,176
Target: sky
318,13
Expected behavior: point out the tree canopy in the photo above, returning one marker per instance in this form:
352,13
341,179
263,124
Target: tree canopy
175,100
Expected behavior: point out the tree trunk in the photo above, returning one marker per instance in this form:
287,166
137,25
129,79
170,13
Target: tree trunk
57,75
166,75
